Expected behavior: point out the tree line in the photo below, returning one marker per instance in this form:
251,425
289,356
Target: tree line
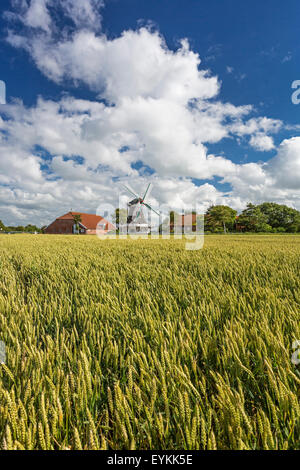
267,217
20,228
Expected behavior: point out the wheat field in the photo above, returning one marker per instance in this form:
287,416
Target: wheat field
144,345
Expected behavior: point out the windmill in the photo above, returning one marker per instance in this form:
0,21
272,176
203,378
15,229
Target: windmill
136,222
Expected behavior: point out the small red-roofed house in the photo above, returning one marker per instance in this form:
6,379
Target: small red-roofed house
180,223
88,225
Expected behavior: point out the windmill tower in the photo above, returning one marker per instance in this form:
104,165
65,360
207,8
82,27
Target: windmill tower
136,221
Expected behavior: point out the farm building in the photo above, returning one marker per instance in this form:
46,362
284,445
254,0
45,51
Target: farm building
88,224
180,223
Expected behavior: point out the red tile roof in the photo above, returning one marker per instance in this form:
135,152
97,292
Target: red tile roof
89,221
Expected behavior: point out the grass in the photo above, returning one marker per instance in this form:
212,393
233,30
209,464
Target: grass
144,345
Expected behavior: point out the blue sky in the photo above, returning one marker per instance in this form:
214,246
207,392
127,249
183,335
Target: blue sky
258,39
250,47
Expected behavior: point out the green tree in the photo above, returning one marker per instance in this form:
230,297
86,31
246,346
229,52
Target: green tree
175,222
254,219
119,217
2,226
220,218
77,220
32,228
279,216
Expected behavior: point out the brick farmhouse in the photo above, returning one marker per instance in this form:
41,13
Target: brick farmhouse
87,226
187,223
